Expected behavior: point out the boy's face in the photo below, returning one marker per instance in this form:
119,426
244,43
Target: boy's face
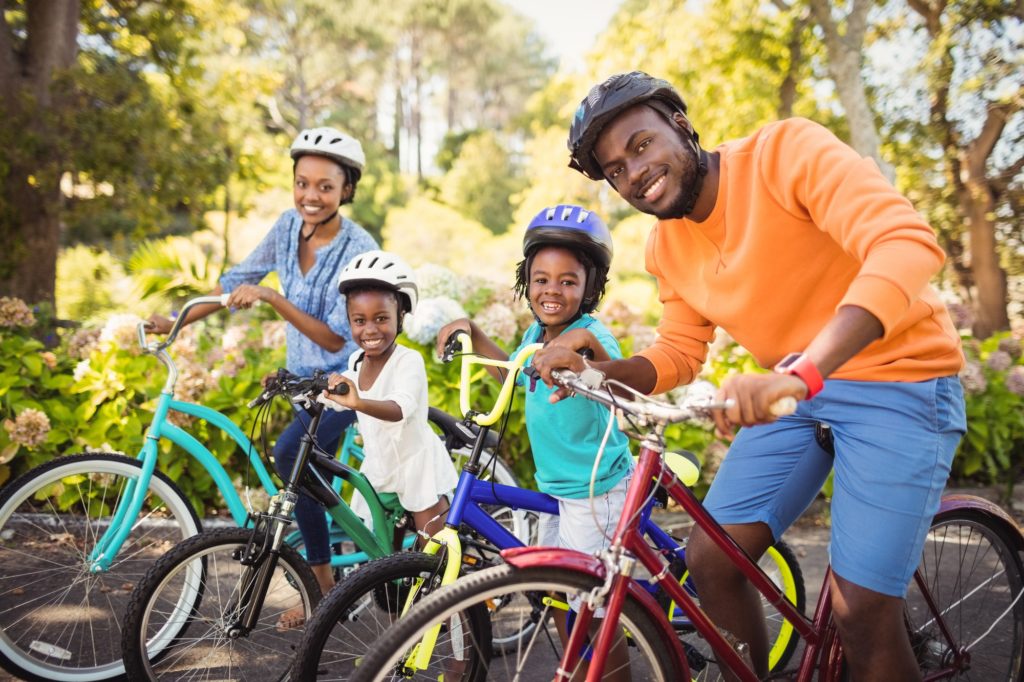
557,284
373,317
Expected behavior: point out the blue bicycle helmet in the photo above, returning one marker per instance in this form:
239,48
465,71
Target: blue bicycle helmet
579,230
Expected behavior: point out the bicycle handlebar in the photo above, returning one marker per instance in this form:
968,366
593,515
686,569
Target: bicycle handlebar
591,384
179,322
286,383
460,340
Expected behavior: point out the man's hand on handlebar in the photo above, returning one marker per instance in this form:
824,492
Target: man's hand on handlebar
756,399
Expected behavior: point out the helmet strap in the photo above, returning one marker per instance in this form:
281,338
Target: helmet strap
307,237
702,171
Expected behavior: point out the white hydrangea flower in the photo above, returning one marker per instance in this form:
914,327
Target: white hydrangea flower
121,332
82,369
436,281
498,322
431,314
233,337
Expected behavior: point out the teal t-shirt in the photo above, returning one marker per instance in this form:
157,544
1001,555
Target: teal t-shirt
565,436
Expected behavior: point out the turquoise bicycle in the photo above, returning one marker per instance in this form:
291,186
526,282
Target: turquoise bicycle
78,533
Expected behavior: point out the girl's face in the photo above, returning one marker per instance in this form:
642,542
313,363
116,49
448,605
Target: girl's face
373,317
318,188
557,284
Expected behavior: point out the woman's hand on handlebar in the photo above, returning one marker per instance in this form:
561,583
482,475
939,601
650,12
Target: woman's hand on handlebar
461,325
158,324
754,395
245,295
347,398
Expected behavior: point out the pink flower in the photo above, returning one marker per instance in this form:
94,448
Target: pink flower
29,428
15,313
1015,380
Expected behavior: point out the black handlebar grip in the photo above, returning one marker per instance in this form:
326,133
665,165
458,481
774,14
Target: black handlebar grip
340,389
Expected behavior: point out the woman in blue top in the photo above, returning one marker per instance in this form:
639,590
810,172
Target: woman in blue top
308,247
567,251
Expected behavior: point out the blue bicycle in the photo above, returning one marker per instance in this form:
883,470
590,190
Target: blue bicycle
358,610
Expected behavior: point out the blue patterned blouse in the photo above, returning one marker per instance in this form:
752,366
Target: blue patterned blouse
315,293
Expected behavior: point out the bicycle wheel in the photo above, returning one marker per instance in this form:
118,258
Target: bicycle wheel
354,615
462,648
974,577
58,620
208,566
781,565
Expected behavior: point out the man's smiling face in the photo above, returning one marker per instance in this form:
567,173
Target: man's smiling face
648,161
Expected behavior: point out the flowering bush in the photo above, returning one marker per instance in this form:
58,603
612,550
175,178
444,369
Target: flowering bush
432,314
993,381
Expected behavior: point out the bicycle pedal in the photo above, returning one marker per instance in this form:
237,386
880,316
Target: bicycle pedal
694,659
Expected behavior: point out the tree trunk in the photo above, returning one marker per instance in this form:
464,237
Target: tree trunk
845,54
30,103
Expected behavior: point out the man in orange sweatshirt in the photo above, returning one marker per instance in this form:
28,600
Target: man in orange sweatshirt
809,258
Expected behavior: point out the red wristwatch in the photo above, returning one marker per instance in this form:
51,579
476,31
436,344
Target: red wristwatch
801,366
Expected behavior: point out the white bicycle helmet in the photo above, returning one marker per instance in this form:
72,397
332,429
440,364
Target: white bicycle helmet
333,144
380,269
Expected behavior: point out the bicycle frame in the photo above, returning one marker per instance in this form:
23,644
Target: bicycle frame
822,657
372,544
471,493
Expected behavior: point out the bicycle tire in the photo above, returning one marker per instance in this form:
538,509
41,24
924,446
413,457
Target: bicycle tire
456,605
164,596
65,624
358,610
781,565
976,579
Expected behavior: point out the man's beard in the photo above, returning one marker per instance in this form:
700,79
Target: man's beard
677,209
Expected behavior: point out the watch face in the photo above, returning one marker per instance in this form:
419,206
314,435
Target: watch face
787,361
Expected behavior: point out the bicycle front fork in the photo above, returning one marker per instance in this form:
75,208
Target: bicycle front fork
259,557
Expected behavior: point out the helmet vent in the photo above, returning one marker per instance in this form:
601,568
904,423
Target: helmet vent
566,212
582,216
550,214
386,266
373,262
318,138
336,140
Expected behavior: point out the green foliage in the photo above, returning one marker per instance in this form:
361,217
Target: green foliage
993,449
482,181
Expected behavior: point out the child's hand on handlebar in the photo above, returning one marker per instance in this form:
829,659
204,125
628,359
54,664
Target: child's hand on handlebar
341,390
754,396
461,325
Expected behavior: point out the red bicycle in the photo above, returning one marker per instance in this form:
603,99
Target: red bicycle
964,611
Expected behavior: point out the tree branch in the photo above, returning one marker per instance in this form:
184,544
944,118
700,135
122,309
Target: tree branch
980,148
8,56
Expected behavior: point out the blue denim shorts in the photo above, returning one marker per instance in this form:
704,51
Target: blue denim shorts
894,443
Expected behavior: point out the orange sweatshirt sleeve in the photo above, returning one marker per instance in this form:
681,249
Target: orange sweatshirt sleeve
847,196
683,334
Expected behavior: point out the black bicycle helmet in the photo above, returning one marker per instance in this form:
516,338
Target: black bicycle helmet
607,100
578,230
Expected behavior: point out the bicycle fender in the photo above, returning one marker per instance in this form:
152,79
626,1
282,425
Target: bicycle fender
990,509
569,560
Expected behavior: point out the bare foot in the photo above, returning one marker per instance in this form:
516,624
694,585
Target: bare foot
292,619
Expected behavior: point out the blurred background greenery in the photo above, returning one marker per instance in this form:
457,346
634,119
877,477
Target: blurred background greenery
144,152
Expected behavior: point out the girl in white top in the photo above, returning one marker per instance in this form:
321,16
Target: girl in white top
404,458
